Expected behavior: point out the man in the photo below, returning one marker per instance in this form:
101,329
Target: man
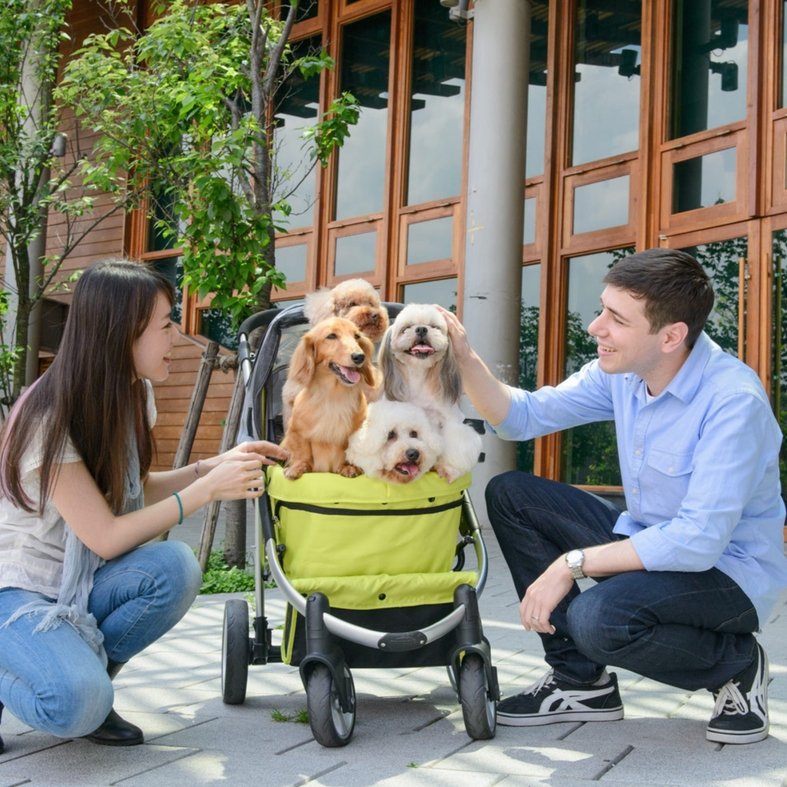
689,572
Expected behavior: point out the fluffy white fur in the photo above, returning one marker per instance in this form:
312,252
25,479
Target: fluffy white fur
397,442
419,367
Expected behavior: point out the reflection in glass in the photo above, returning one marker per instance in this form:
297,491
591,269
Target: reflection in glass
601,204
355,254
589,452
297,108
219,327
709,52
529,234
436,105
172,268
537,88
162,227
528,350
291,261
779,343
441,292
704,181
365,60
607,46
722,262
430,240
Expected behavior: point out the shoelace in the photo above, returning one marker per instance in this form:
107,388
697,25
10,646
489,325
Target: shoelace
730,700
543,681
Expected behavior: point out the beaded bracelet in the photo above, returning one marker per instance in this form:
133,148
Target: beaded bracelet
180,507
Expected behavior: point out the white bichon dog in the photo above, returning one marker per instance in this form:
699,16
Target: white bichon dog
396,443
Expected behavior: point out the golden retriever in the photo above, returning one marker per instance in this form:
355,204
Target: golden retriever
331,365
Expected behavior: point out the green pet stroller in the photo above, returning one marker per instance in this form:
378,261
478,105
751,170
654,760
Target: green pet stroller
374,574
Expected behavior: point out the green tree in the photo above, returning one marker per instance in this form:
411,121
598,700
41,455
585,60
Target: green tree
35,178
184,117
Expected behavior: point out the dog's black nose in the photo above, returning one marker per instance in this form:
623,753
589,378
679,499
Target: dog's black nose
420,331
358,358
412,454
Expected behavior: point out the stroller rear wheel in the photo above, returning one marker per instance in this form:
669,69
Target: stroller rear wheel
478,709
331,726
235,652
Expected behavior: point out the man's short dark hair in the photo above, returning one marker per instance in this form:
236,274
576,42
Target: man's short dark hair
673,285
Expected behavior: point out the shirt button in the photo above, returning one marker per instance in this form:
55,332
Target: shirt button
634,490
638,452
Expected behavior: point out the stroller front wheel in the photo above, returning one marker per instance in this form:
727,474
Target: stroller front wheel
235,651
478,709
331,726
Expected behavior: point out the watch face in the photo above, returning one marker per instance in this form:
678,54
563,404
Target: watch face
575,557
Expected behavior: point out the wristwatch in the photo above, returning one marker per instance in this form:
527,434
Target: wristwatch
574,560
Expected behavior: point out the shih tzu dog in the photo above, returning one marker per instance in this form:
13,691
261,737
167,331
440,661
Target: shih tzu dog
418,366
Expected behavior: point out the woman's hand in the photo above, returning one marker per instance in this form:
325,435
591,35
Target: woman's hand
237,473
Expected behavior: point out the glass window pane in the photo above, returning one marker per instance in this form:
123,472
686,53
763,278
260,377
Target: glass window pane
589,454
172,268
779,347
529,233
355,254
704,181
219,327
442,292
528,350
291,261
298,107
436,105
722,262
601,204
537,88
709,51
606,83
365,59
430,240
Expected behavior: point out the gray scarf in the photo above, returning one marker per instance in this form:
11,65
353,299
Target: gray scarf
79,567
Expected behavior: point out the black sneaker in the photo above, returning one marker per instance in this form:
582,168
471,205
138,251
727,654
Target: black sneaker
741,711
551,700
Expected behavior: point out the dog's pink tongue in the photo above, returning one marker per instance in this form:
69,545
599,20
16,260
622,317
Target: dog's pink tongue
353,375
423,349
408,468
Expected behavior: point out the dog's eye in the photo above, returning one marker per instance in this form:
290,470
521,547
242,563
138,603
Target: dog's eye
392,434
331,336
413,433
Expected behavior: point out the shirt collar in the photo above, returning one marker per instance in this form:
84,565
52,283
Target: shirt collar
685,383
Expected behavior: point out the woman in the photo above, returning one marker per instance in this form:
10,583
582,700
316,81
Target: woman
81,590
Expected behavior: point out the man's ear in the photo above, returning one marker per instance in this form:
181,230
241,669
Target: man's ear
675,336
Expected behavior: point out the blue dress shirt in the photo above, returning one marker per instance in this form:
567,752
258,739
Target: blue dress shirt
699,464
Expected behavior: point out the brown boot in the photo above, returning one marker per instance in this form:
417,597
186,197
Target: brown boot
116,731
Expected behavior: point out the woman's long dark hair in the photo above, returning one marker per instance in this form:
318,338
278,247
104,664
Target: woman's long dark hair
90,393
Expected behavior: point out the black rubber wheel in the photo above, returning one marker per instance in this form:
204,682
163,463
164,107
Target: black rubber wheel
331,726
235,652
478,708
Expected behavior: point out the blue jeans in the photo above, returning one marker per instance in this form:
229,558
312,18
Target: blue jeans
52,680
690,630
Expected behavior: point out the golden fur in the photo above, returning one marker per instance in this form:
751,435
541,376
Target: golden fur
331,366
355,300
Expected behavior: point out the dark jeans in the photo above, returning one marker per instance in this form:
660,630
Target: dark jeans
687,629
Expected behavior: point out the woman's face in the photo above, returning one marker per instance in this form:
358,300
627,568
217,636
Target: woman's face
153,349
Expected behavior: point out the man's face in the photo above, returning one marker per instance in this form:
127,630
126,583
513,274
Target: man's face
624,338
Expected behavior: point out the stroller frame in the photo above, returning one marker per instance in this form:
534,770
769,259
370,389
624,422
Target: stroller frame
323,669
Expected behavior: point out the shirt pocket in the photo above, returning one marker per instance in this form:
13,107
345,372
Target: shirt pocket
665,482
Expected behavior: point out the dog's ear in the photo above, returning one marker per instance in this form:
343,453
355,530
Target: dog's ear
318,306
393,382
368,371
302,362
450,375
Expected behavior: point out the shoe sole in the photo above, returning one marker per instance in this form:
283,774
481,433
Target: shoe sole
609,714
